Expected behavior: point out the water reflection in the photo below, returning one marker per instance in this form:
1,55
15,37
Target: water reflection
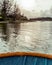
31,36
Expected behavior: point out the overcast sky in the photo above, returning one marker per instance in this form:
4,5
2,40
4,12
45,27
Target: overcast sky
41,8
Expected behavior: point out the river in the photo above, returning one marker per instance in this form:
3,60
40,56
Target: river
31,36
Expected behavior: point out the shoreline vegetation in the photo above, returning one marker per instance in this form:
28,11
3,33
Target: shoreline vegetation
27,20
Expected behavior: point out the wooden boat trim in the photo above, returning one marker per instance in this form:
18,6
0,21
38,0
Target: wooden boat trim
9,54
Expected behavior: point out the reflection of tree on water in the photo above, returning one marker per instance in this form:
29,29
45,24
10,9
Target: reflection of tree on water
8,33
13,33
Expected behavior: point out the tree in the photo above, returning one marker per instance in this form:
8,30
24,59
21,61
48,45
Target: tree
16,12
5,9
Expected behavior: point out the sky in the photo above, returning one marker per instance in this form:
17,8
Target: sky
34,8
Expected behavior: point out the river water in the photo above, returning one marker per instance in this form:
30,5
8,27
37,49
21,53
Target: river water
31,36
